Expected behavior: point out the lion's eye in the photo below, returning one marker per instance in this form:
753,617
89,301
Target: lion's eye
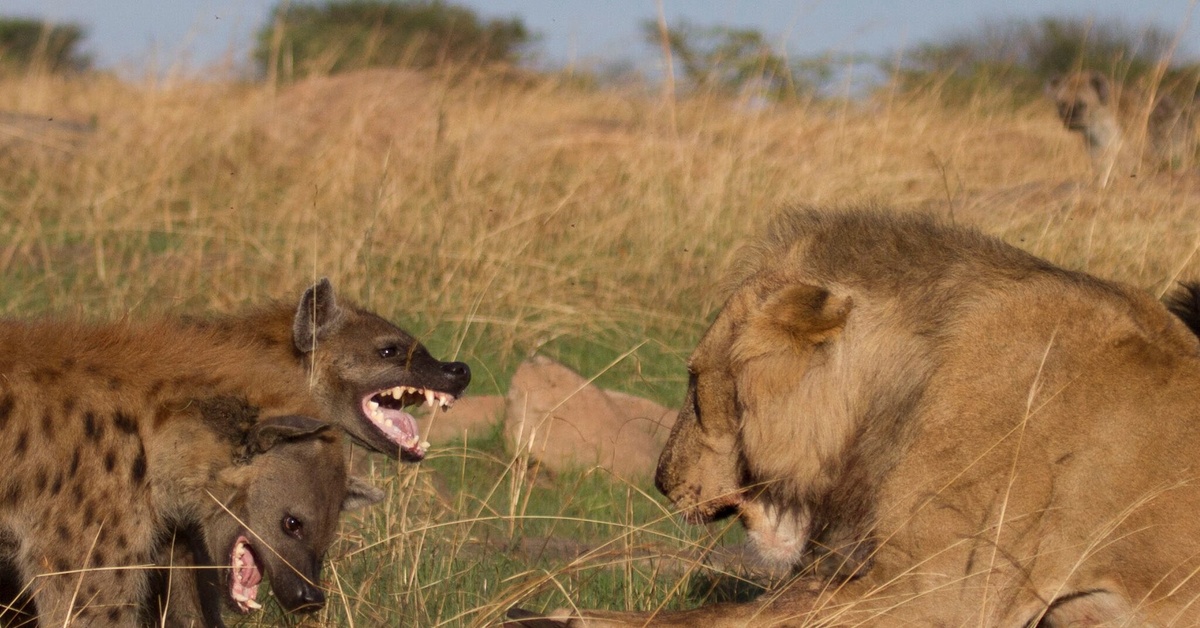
388,352
292,526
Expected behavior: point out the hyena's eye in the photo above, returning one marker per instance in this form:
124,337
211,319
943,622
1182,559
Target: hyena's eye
292,526
388,352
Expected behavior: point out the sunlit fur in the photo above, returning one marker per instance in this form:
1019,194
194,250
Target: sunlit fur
964,435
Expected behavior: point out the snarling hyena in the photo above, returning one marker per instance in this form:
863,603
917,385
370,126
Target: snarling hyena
258,499
341,363
79,404
271,515
1109,119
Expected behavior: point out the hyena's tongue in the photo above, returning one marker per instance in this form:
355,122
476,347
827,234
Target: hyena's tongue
244,577
384,411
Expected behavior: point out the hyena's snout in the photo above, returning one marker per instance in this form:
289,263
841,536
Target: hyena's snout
299,595
296,584
457,375
309,599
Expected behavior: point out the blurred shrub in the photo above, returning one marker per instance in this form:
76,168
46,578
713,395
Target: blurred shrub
1023,54
730,59
52,47
338,36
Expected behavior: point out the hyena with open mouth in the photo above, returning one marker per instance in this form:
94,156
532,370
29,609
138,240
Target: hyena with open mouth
359,369
79,402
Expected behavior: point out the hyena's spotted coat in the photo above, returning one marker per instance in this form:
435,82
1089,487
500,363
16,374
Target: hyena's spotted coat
102,432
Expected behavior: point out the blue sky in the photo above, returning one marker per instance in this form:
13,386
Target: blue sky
133,35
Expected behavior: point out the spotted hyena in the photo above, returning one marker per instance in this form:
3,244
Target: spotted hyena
83,408
271,515
335,361
260,498
1123,127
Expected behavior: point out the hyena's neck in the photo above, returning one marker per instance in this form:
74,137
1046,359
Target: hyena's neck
1103,138
254,358
147,370
269,327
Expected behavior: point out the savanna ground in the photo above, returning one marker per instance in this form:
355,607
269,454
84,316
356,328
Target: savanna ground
496,217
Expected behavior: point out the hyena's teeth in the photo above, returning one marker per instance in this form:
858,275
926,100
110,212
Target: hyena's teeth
252,604
429,397
424,444
373,405
397,392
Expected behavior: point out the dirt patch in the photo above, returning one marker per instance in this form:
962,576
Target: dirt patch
467,419
563,421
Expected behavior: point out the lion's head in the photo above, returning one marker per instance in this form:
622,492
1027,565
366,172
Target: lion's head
802,393
728,453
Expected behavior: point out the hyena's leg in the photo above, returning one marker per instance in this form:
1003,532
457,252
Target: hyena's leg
72,587
177,599
16,605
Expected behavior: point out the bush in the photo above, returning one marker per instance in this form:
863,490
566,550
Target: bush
339,36
1024,54
734,59
54,47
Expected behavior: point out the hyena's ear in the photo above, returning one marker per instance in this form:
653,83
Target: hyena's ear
796,317
317,314
1051,87
360,493
1101,85
270,432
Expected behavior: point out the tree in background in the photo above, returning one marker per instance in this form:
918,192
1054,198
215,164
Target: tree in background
1024,54
338,36
26,43
735,59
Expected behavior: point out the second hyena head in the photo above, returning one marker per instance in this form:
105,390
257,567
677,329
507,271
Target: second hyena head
365,371
1086,105
280,514
1083,99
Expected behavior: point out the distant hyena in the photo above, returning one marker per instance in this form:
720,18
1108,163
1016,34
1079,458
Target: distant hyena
1123,129
79,404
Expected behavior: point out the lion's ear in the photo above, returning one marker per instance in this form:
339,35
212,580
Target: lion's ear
808,314
797,317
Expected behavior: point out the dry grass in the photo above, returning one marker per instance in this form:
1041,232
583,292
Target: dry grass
496,218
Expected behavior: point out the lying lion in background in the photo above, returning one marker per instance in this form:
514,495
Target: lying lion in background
1125,129
936,428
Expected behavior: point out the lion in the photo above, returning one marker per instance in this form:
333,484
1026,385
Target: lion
933,427
1088,104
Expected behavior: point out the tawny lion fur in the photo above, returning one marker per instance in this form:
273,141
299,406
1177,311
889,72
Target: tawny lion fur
936,429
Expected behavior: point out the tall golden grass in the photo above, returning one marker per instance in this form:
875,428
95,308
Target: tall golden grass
497,216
